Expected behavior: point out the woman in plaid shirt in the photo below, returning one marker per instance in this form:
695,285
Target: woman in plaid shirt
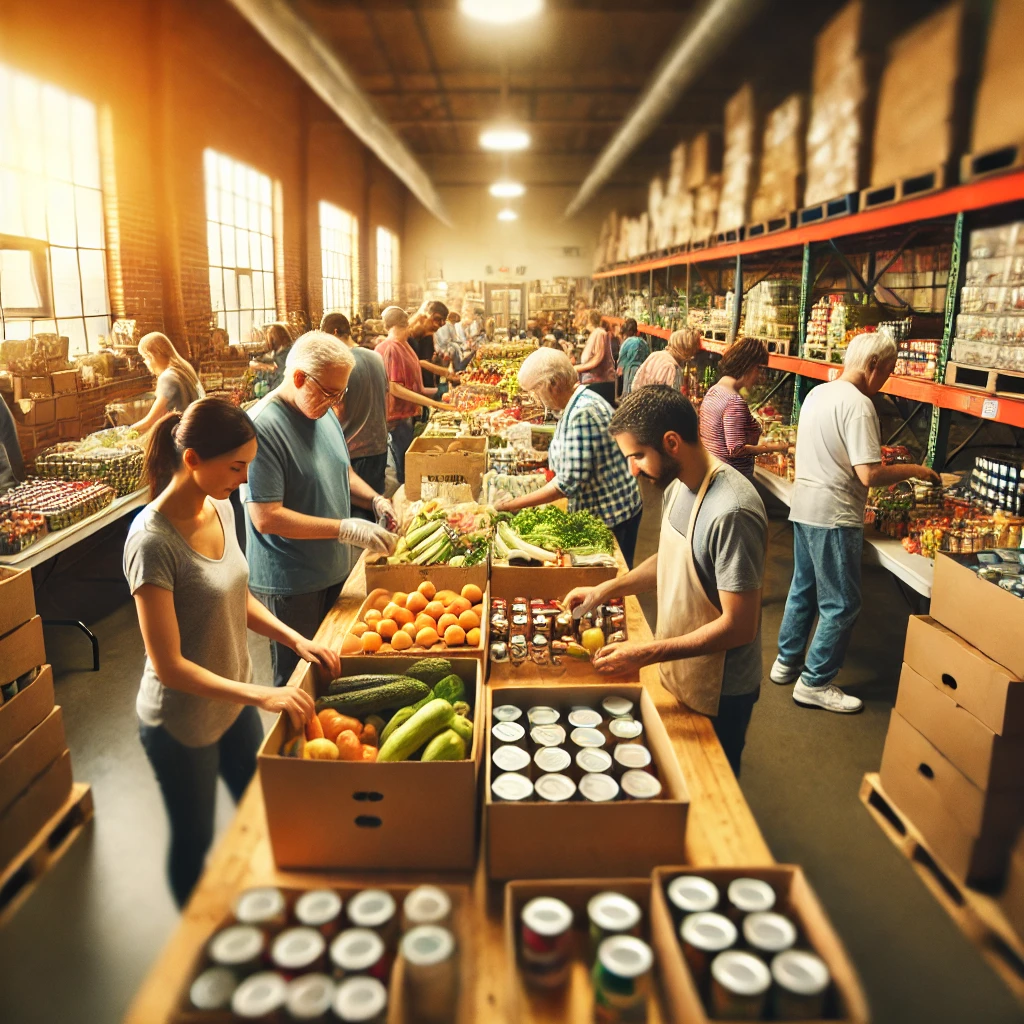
588,466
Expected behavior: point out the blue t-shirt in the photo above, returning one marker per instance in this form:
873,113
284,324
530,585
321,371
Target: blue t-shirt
304,464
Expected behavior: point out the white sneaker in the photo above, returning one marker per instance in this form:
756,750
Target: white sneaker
783,674
829,697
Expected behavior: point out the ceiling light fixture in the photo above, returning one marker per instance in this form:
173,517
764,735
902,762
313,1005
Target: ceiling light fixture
505,139
501,12
507,189
507,214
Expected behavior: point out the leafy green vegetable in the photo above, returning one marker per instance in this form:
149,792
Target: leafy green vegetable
547,526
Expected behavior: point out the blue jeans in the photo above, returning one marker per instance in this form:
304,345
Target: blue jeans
304,613
626,534
400,434
826,583
187,777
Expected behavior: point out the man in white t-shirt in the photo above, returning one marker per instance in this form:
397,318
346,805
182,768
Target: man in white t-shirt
838,457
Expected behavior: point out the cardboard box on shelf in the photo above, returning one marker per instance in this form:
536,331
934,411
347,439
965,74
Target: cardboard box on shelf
17,598
781,167
64,381
35,412
575,839
998,112
703,158
979,611
26,709
26,387
34,808
739,161
406,578
70,430
30,757
444,458
378,817
967,830
990,761
21,650
66,406
1011,902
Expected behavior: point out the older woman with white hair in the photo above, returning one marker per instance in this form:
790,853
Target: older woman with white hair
300,492
838,457
671,364
589,468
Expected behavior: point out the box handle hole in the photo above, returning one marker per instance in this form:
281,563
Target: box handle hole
368,821
926,771
948,680
369,796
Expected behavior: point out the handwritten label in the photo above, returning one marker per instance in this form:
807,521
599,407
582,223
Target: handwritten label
990,409
834,372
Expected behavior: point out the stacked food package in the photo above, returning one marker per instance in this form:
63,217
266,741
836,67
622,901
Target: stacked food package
739,161
772,309
113,457
61,503
782,161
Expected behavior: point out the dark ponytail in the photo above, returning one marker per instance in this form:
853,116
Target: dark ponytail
210,427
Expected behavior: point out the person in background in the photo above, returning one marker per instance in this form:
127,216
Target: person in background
670,365
615,338
597,365
271,363
469,332
12,465
423,326
363,414
197,702
299,495
708,570
727,427
177,383
489,328
588,467
407,393
838,457
635,349
447,348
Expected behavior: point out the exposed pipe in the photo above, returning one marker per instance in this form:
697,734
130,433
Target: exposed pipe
699,42
322,70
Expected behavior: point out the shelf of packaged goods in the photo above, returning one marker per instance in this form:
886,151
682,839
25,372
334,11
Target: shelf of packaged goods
1006,188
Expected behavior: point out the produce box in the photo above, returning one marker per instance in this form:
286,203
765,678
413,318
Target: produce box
21,650
573,839
64,381
444,459
406,578
26,387
998,112
17,598
26,709
30,757
795,899
35,412
374,816
34,808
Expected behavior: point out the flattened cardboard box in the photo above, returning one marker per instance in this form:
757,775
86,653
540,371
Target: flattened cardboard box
21,649
462,457
17,598
26,709
30,757
34,808
959,670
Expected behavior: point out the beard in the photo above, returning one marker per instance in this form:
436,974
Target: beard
669,472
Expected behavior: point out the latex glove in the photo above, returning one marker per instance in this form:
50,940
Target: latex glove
364,534
384,512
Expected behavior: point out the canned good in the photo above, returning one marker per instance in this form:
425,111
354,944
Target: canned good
631,757
583,739
509,732
598,788
426,904
213,989
617,707
591,760
611,913
555,788
750,896
510,758
240,948
541,625
264,907
584,718
704,936
801,985
551,759
310,998
298,951
260,997
320,909
499,626
361,1001
511,787
622,980
520,624
377,910
625,730
768,933
499,651
739,986
541,714
547,735
431,974
518,651
546,942
359,951
507,713
640,785
540,651
692,894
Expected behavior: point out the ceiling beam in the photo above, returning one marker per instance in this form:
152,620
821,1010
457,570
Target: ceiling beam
569,122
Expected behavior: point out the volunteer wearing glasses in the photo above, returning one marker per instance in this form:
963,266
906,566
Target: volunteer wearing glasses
300,493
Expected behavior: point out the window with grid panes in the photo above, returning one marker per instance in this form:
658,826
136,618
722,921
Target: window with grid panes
339,255
240,238
387,266
53,261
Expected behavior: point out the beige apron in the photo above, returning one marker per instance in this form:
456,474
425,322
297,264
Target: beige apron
683,606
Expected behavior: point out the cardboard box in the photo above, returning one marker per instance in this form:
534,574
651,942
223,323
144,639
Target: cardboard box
998,111
395,816
781,167
71,429
968,831
795,899
739,162
703,158
575,1001
26,709
64,381
980,612
576,839
26,387
459,458
1012,900
21,650
30,757
547,581
407,578
959,670
35,412
17,598
66,406
990,761
34,808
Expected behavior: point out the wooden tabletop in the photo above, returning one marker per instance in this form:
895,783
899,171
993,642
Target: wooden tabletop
721,831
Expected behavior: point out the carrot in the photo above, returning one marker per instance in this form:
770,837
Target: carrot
314,729
369,752
349,747
369,735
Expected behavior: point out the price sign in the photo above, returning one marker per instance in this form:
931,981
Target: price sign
990,409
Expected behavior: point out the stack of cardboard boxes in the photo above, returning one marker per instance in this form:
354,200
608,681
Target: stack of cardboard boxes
780,186
46,408
998,111
739,161
954,756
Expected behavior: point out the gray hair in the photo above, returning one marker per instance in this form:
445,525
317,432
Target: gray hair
547,368
874,345
316,353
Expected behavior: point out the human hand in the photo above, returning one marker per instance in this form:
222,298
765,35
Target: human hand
506,505
319,654
585,598
293,701
927,474
625,658
385,513
364,534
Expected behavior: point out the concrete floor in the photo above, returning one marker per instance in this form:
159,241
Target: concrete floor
81,945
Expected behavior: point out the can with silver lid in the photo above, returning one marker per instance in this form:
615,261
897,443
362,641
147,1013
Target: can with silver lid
593,760
749,896
611,913
499,651
264,907
320,909
518,650
584,718
550,759
426,904
541,714
298,951
506,713
261,997
555,788
625,730
359,951
739,986
631,757
546,944
597,788
617,707
511,788
622,980
640,785
375,909
704,936
585,739
310,998
691,894
240,948
509,758
551,735
213,989
801,987
431,974
509,733
768,933
361,1001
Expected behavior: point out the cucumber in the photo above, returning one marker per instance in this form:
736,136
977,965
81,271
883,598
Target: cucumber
430,670
347,684
426,723
445,746
451,688
376,698
401,716
463,727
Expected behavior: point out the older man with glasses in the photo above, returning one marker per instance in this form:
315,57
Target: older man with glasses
300,492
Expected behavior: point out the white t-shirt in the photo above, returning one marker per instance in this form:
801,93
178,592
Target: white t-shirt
838,430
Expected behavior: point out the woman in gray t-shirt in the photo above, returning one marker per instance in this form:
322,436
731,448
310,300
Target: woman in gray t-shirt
177,383
197,702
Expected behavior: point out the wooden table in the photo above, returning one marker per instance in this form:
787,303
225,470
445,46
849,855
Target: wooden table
721,831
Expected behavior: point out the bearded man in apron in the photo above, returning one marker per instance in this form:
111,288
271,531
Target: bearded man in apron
708,571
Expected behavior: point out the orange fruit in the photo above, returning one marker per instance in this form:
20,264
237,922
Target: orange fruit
472,593
459,605
435,609
360,628
445,621
381,602
455,636
445,597
372,642
401,641
387,628
467,620
403,615
473,637
427,590
399,598
425,621
416,602
427,637
351,644
410,630
479,609
390,609
372,617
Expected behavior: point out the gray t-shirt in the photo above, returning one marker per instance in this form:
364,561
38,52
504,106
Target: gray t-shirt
365,420
177,390
210,598
730,544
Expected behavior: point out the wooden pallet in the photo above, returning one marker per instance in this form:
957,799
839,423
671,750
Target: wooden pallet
21,878
906,188
978,916
777,346
1006,383
783,222
841,206
974,166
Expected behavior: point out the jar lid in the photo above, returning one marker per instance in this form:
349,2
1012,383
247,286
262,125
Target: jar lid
587,737
617,706
625,956
426,904
258,906
548,735
613,912
751,895
296,948
371,908
708,931
356,949
541,714
427,945
317,907
769,932
555,788
510,758
360,999
640,785
213,989
625,728
259,995
741,973
598,788
692,894
239,944
803,973
632,755
309,997
508,732
584,718
507,713
593,759
552,759
511,786
547,916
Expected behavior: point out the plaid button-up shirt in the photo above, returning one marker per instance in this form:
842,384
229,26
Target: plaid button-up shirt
588,466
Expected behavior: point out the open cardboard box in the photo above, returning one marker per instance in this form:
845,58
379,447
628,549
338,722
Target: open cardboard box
398,1009
796,900
30,757
574,1001
394,816
21,650
547,581
444,457
407,578
577,839
17,598
26,709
